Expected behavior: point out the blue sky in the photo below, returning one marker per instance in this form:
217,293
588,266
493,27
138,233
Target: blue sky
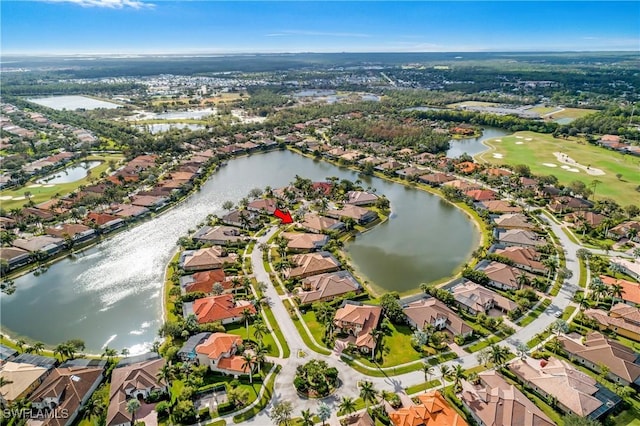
133,26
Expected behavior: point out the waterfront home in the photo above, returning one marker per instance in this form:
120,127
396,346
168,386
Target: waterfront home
204,281
629,229
514,221
622,319
492,401
20,380
15,257
630,289
505,277
322,188
43,243
389,165
433,410
187,352
137,381
223,308
304,265
65,390
499,206
149,201
105,222
358,321
242,219
478,195
313,222
436,179
361,198
127,211
263,205
525,258
410,172
359,214
214,257
220,235
433,312
518,237
475,298
325,287
574,391
76,231
219,353
300,242
462,185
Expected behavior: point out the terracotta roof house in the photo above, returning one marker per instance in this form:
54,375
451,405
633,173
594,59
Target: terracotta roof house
207,258
525,258
304,241
76,231
220,235
610,138
67,389
21,380
528,183
574,391
462,185
467,167
513,220
128,210
263,205
629,267
433,410
361,198
149,201
106,222
136,380
241,219
495,402
498,172
361,419
411,171
318,224
434,312
597,350
359,321
324,287
518,237
621,319
15,257
44,243
592,219
204,281
499,206
359,214
630,290
322,188
565,204
481,195
475,298
305,265
223,308
389,165
7,223
436,179
503,276
629,229
188,350
219,353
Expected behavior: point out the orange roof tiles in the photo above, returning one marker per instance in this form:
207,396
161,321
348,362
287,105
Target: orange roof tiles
433,410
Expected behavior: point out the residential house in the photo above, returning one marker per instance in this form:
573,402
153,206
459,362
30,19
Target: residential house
300,242
65,390
214,257
514,221
325,287
14,257
187,352
263,205
433,410
462,185
622,319
359,214
627,266
220,235
436,179
358,321
127,211
498,173
7,353
223,308
495,402
389,165
630,290
105,222
499,206
241,219
518,237
479,195
77,232
623,364
433,312
218,352
322,188
410,172
590,218
149,201
136,380
525,258
475,298
305,265
42,243
203,281
319,224
361,198
629,229
527,183
566,204
7,223
574,391
504,277
20,380
360,419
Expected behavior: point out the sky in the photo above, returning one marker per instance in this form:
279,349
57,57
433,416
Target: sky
190,27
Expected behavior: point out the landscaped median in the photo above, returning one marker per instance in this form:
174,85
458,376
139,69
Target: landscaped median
286,352
302,331
531,316
267,393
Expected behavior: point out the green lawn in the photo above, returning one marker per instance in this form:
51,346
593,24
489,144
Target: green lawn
567,312
267,340
396,349
540,150
380,373
422,386
272,320
535,313
266,397
41,194
482,344
571,113
305,336
316,329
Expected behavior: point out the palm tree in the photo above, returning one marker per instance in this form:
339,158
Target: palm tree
347,405
307,418
427,369
4,381
125,352
93,407
133,405
165,374
367,392
581,300
246,316
21,344
248,362
551,266
457,375
376,334
616,291
109,353
260,354
555,345
445,372
259,330
498,355
523,280
324,412
38,347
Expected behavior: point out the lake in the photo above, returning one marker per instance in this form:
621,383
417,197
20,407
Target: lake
73,102
70,174
473,146
110,294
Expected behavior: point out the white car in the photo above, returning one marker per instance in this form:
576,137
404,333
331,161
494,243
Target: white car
557,314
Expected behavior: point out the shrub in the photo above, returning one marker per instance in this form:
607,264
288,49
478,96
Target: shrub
225,407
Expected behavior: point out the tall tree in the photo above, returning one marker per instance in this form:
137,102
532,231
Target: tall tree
368,392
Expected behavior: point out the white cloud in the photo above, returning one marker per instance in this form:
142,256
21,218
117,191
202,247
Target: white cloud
109,4
316,34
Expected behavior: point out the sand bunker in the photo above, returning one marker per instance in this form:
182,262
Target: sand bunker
498,156
549,164
6,198
519,143
35,185
570,169
528,139
49,185
576,167
520,137
18,198
497,140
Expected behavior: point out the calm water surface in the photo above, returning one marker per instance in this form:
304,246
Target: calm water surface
70,174
110,294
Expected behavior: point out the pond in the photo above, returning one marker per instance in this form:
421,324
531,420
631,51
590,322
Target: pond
111,293
70,174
